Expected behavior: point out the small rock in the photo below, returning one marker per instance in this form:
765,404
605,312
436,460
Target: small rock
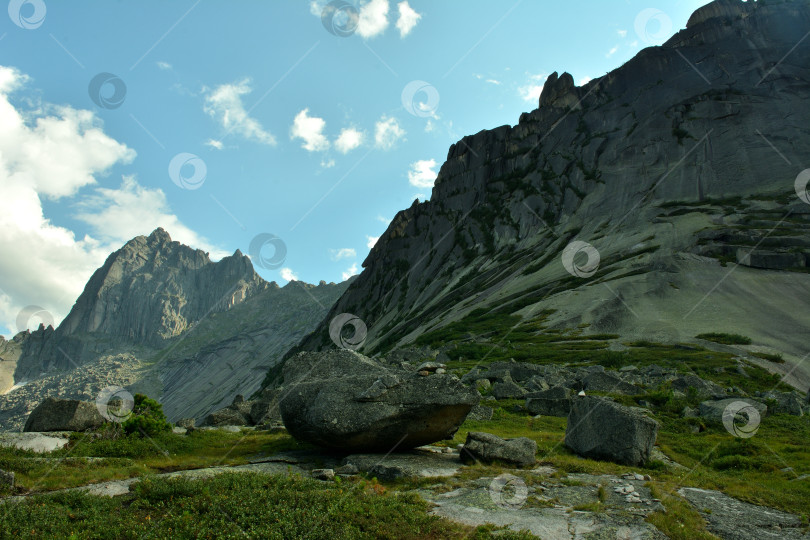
6,479
431,366
424,373
441,371
347,469
323,474
483,384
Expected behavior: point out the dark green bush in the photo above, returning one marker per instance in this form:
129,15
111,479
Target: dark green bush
147,418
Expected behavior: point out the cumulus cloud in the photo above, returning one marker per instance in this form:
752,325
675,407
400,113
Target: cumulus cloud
310,130
371,240
120,214
583,81
54,153
407,19
530,91
348,140
612,51
288,275
351,271
342,253
387,132
421,173
224,104
373,18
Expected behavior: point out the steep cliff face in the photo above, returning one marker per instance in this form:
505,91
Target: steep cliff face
674,164
150,290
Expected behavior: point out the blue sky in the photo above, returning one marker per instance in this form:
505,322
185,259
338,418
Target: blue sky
315,138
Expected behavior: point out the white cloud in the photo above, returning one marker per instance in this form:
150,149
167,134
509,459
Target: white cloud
373,18
534,85
164,66
327,163
288,275
407,19
583,81
310,130
622,33
421,173
387,132
612,51
351,271
213,143
54,153
429,126
493,81
382,219
348,140
342,253
224,104
371,240
118,215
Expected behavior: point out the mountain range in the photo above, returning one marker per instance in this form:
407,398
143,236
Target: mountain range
658,202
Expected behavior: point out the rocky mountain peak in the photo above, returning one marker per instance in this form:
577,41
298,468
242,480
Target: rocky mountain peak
559,91
150,290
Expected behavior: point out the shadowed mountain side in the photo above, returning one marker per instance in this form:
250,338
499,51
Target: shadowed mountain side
678,170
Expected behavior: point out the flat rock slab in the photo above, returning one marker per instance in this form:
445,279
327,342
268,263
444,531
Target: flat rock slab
414,464
33,441
477,506
731,519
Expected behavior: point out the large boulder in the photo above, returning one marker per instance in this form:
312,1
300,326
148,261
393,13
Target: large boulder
552,402
602,429
713,410
507,389
56,414
486,447
343,400
786,402
609,383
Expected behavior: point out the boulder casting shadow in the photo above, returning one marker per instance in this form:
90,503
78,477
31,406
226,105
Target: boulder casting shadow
342,400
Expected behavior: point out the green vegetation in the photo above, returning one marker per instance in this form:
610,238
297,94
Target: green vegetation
234,505
117,457
725,339
147,418
770,357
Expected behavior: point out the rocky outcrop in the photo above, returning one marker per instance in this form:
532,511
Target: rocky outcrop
489,448
601,429
678,140
343,400
255,412
64,415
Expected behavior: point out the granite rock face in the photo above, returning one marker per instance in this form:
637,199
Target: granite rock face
343,400
635,163
601,429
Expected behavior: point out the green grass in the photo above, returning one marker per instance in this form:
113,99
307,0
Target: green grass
131,456
234,505
770,357
725,339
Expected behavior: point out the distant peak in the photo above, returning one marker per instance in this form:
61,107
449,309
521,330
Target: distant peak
159,235
238,253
